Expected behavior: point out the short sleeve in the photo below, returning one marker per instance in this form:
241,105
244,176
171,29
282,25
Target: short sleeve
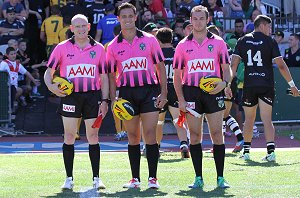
54,59
111,60
156,52
224,55
275,49
178,61
102,61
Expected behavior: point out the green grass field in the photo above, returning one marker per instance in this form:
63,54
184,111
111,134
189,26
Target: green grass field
41,175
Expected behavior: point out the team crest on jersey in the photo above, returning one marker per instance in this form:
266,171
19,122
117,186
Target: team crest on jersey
221,103
210,48
142,46
92,54
297,58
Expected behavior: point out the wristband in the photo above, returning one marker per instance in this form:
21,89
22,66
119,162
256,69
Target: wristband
291,83
227,84
105,100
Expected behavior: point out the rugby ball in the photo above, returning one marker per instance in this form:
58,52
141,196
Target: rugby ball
64,84
123,109
207,83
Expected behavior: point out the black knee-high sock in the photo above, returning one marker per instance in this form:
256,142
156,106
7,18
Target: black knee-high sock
134,155
219,157
68,155
94,153
270,147
196,154
152,158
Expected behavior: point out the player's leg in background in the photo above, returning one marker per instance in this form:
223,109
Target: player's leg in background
181,132
160,126
250,115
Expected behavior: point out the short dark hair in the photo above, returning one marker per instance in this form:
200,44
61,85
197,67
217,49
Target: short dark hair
10,49
124,6
55,9
200,8
117,29
22,40
164,35
214,29
262,19
295,35
238,20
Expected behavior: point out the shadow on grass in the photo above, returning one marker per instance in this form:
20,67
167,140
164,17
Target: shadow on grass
162,160
71,193
217,192
263,164
134,193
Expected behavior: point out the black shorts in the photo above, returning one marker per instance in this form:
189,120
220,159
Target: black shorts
252,94
238,99
81,104
172,98
203,102
142,98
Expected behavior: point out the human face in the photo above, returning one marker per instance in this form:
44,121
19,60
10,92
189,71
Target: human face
147,16
278,38
80,28
127,19
22,46
179,29
11,17
266,29
239,28
188,29
12,55
199,21
293,42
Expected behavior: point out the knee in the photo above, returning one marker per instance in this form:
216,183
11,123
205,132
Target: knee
69,138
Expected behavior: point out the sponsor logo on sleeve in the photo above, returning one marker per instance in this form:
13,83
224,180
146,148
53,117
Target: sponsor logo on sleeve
201,65
69,108
135,64
81,70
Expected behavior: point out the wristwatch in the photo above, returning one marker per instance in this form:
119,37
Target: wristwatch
105,100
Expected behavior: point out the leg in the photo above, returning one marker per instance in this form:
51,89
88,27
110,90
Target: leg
70,127
250,114
149,123
266,117
159,128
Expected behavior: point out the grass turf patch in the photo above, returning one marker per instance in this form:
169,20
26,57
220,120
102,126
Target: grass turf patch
41,175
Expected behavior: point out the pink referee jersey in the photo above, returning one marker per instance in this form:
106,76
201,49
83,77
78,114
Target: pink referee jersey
200,60
134,63
82,67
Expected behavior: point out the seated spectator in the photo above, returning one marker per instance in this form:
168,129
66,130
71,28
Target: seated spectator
96,11
13,67
60,3
20,11
236,9
279,38
50,29
188,4
250,26
292,54
249,6
157,8
106,25
238,29
150,28
147,17
71,9
178,32
219,4
218,12
187,27
10,28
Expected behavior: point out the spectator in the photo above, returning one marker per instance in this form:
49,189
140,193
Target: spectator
279,38
147,17
63,33
218,12
236,9
150,28
50,28
250,26
292,54
249,6
238,29
157,8
18,7
13,67
187,28
106,25
188,4
96,11
10,28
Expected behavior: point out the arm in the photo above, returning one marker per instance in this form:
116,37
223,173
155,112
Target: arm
43,63
227,76
112,85
43,36
17,32
48,77
98,35
285,72
162,98
105,94
35,81
178,89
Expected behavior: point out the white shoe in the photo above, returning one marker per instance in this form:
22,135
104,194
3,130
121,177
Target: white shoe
245,156
270,157
133,183
98,184
69,183
153,183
